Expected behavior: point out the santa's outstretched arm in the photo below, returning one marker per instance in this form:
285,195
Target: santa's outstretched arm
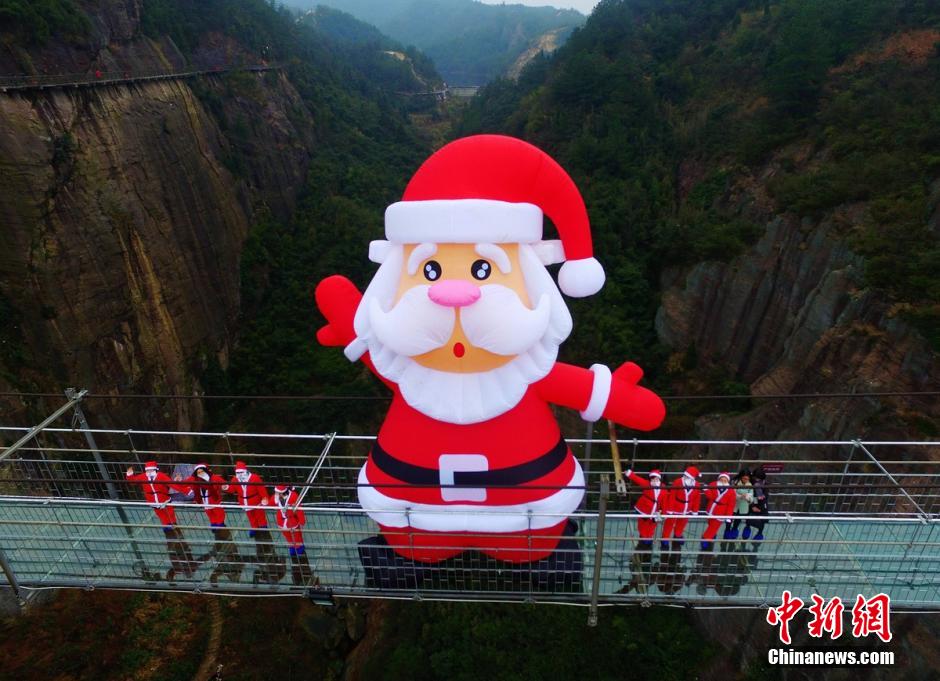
597,393
338,299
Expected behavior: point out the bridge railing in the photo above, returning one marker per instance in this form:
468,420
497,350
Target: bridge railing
803,477
841,522
90,544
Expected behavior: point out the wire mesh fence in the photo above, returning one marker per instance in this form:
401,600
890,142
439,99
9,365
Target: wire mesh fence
841,522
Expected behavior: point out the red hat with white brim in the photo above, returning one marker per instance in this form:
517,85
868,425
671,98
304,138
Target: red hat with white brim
497,189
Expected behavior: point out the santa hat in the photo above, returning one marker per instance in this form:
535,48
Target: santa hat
692,472
240,467
151,466
725,475
496,189
198,466
280,489
656,474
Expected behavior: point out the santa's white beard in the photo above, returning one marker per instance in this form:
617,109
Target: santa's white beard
464,398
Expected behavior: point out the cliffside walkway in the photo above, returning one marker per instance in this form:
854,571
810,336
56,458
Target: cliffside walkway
847,518
99,78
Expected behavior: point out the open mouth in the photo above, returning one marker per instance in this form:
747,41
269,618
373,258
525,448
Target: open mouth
459,350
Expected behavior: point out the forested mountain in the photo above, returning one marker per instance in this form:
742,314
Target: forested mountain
166,189
469,42
763,183
394,65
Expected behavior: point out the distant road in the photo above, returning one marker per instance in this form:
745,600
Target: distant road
97,78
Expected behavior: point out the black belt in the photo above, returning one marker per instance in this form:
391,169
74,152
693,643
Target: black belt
498,477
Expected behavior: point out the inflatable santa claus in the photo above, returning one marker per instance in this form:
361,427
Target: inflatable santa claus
462,321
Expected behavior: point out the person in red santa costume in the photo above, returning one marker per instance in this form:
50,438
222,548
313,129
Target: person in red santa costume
720,498
462,321
156,487
684,499
206,488
252,494
290,519
652,503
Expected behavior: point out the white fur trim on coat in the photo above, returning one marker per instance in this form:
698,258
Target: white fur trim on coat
545,512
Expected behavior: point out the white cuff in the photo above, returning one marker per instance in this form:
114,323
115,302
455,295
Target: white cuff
600,391
355,350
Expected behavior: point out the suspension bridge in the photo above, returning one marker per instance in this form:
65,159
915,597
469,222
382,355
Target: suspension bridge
846,518
97,78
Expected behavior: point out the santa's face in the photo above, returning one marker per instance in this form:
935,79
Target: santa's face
469,282
463,329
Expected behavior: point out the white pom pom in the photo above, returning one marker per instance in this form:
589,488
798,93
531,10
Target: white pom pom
581,278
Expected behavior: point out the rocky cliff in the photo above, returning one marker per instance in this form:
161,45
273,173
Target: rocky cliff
793,315
124,209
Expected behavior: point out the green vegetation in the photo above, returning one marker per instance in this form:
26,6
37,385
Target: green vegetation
105,635
378,57
35,21
365,148
464,642
660,109
470,42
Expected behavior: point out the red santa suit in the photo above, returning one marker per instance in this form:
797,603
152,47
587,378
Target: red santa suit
683,500
652,500
157,492
208,494
251,494
504,481
489,482
290,520
718,502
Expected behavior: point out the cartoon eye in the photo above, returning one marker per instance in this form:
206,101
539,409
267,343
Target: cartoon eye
432,270
481,270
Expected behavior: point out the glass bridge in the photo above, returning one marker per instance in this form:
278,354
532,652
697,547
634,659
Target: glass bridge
846,518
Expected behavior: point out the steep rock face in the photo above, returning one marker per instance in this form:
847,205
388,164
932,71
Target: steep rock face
123,216
792,315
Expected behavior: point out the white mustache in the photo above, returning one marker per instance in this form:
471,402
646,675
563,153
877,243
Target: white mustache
415,325
501,323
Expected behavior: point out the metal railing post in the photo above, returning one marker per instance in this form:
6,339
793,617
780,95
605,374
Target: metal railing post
599,550
11,578
82,423
35,430
892,479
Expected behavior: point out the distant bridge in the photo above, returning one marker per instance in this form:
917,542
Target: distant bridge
843,522
21,83
458,91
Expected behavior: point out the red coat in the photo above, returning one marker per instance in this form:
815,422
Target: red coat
652,499
209,494
525,470
682,500
251,493
287,517
720,502
156,492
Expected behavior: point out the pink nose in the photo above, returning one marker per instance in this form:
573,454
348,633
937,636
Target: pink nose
454,293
